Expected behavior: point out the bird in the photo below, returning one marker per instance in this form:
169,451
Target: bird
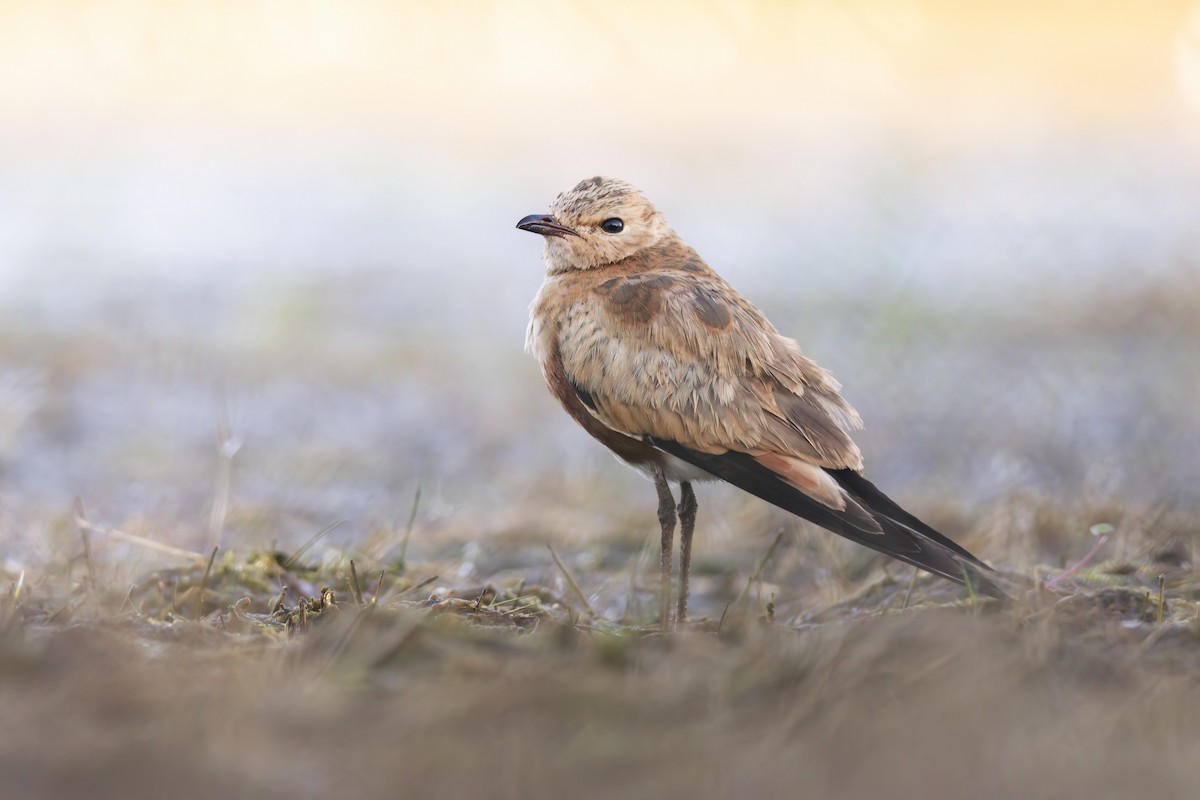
660,359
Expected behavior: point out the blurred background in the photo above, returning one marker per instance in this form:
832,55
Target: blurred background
258,269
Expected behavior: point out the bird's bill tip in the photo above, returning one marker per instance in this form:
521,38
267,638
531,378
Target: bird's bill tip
545,225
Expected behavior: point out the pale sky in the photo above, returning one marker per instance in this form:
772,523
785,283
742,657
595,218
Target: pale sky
906,137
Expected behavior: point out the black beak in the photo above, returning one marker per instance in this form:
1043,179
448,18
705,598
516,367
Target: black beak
546,225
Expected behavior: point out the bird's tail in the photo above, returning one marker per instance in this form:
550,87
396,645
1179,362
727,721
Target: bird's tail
898,533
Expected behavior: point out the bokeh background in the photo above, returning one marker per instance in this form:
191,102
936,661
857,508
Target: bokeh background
262,304
258,270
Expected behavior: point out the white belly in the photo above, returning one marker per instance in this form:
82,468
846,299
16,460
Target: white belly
677,470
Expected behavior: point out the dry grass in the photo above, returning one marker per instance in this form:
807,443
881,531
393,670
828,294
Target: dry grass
513,690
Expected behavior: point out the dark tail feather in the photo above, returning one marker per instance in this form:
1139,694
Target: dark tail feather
882,505
904,536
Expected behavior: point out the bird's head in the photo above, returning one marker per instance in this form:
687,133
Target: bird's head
599,221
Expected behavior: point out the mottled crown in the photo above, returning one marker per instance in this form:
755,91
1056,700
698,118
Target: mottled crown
585,208
595,195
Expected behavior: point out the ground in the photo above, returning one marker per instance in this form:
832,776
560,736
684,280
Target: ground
312,561
913,689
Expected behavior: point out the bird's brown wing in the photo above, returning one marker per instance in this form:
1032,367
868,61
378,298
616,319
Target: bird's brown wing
683,362
682,357
685,357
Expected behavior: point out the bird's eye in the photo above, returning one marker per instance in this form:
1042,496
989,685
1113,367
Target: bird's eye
613,225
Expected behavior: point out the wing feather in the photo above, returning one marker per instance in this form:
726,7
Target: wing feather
683,356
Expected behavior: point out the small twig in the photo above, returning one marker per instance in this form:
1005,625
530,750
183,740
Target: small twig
316,537
140,541
635,605
758,570
354,587
570,580
9,613
971,594
15,594
1080,564
93,588
70,606
762,565
1040,588
227,447
128,601
911,585
1162,597
412,517
516,599
416,586
87,555
519,609
378,587
721,621
203,585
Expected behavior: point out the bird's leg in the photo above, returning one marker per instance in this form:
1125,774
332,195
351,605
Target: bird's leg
666,518
687,526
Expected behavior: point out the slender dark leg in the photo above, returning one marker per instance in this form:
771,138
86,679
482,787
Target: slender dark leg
687,526
666,518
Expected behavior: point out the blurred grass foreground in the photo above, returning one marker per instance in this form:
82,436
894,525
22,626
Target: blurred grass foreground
286,512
